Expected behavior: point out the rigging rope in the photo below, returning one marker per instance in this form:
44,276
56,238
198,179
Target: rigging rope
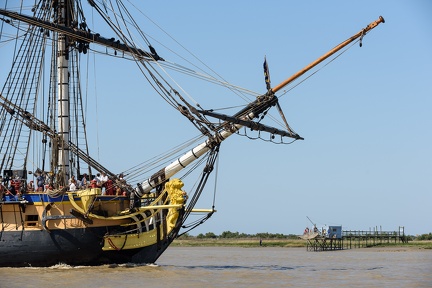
155,79
318,70
212,157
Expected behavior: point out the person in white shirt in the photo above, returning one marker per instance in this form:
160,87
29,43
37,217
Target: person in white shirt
102,180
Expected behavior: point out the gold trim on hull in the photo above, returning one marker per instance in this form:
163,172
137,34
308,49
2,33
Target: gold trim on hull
130,241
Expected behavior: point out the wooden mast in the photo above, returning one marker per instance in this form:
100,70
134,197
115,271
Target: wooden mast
63,117
328,54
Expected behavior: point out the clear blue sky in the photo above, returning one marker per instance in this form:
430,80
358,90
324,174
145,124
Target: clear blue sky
366,160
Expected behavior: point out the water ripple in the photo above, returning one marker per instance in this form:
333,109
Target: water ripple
237,267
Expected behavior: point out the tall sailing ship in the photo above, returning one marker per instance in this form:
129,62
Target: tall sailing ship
58,203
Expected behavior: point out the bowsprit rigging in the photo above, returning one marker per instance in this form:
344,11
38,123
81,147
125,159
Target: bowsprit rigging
259,107
60,202
242,118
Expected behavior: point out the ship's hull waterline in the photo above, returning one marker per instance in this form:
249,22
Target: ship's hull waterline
43,233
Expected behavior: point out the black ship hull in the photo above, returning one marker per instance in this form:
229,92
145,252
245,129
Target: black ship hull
38,232
69,246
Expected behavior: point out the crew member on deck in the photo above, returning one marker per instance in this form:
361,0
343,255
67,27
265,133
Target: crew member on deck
3,190
109,187
16,183
84,181
103,179
72,180
40,182
120,183
97,179
72,183
30,187
11,191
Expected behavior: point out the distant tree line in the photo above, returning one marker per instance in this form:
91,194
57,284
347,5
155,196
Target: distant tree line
237,235
425,237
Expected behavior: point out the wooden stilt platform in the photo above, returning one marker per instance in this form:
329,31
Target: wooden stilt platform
352,239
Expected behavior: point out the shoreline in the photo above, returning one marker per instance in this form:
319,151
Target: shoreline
286,243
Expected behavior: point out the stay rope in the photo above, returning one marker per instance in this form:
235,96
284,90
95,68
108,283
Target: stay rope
318,70
208,169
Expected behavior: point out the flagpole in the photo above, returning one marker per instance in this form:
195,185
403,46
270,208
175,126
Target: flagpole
328,54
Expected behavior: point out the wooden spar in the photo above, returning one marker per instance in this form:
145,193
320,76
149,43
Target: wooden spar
165,173
201,210
328,54
81,35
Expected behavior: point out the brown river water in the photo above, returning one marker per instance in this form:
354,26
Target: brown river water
242,267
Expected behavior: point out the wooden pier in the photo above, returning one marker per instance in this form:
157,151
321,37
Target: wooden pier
352,239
